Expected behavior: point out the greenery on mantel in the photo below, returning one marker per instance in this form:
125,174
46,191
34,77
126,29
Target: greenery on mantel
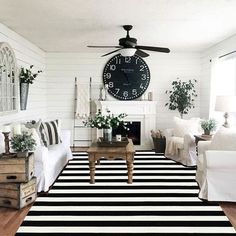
182,96
27,76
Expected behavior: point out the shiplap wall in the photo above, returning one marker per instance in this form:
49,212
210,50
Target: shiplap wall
27,54
62,68
219,49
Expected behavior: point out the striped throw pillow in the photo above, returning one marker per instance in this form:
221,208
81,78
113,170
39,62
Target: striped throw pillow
49,133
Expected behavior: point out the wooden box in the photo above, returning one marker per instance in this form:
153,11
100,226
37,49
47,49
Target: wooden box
16,169
17,195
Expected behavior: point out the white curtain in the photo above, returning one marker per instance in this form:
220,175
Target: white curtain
223,82
215,68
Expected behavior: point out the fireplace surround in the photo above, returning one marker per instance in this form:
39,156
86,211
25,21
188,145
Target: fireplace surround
143,112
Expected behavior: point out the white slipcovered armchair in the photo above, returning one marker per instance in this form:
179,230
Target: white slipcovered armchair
216,167
180,141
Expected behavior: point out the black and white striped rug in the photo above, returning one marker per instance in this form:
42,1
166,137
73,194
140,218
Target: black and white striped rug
161,201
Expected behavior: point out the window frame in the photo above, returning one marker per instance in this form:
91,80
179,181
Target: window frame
8,80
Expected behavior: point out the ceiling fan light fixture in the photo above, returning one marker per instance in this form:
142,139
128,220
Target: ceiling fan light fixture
127,52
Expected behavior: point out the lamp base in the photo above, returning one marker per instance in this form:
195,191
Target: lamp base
226,116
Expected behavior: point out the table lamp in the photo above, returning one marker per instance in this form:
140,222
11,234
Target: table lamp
226,104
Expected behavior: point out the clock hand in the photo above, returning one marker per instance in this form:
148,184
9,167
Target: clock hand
127,78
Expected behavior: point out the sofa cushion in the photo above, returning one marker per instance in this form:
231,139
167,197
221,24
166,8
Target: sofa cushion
182,127
224,139
49,132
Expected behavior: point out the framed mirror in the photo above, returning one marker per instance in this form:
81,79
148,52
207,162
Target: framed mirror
8,79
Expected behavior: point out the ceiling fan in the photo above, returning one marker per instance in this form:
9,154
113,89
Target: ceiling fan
128,46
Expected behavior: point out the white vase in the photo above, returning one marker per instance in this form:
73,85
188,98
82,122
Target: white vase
107,134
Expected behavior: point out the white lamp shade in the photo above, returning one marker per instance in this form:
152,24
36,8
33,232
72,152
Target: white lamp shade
127,52
225,103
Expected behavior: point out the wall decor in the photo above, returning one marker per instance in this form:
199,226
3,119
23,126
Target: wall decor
127,78
26,77
8,82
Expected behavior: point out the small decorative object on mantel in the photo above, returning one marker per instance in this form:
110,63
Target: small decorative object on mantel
103,93
106,122
26,77
182,96
22,144
159,141
208,126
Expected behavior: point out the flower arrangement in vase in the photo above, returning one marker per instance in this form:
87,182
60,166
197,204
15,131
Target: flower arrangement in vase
208,126
106,122
26,77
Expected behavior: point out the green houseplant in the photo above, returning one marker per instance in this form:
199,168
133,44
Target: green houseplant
27,76
208,126
182,95
106,122
22,143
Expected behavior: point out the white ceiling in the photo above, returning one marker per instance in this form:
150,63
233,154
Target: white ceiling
70,25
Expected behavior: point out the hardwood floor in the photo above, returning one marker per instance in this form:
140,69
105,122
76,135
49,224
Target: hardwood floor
11,219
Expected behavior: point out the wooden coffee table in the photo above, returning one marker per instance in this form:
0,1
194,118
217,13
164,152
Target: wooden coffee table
95,153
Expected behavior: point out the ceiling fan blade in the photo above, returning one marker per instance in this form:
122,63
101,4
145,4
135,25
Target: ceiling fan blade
156,49
104,46
141,53
111,52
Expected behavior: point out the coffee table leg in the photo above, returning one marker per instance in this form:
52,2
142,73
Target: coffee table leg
92,171
130,171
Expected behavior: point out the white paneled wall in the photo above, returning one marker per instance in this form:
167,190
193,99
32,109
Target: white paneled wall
27,54
219,49
62,68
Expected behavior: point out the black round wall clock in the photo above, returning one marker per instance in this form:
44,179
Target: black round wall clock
127,78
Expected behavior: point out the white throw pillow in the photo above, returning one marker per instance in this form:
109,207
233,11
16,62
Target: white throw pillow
224,139
182,127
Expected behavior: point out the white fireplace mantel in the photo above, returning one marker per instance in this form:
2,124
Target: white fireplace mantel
143,111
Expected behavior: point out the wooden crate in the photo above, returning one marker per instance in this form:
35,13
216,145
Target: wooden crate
17,195
16,169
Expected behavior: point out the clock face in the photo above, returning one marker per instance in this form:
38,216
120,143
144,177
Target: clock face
127,78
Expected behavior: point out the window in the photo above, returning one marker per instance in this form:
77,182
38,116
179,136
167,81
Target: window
8,83
226,79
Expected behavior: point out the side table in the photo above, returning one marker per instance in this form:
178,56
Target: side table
201,137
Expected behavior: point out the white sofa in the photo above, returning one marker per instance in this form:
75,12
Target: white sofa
216,167
49,161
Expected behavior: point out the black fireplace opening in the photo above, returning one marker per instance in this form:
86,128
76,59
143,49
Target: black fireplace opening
133,131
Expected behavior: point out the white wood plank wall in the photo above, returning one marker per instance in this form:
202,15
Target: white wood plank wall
27,54
62,68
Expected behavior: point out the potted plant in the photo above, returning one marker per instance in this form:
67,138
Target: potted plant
106,122
208,126
26,77
182,96
22,144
